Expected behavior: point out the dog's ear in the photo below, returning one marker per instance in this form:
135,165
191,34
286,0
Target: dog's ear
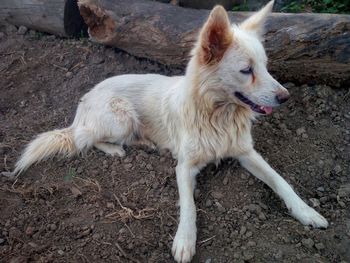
256,22
215,37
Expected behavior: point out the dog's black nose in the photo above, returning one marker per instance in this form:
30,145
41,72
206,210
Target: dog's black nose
282,97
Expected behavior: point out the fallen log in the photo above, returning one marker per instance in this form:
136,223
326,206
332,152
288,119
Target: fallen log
303,48
59,17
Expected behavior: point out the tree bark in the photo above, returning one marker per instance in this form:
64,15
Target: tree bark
59,17
303,48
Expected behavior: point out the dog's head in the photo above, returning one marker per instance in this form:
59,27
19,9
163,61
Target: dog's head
232,58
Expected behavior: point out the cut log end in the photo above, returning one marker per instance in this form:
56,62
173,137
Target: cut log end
100,23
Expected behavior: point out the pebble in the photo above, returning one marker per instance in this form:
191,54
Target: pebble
279,254
248,255
97,60
307,242
110,205
243,230
324,199
208,203
69,74
315,202
220,207
53,227
262,216
225,181
342,204
337,169
251,244
254,208
344,190
2,241
60,252
11,28
29,231
319,246
249,234
22,30
217,195
300,131
321,189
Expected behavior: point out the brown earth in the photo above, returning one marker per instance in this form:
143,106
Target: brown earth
97,208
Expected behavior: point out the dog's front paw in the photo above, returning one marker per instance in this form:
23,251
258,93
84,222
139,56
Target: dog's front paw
184,246
308,216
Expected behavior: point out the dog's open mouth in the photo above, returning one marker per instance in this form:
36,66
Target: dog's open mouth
255,107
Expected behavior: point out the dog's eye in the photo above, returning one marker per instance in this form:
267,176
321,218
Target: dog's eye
247,71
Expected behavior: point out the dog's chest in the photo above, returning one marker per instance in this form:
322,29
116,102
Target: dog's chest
217,140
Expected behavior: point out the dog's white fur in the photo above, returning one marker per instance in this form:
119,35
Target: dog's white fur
196,116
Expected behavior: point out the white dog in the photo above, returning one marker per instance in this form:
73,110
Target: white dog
201,117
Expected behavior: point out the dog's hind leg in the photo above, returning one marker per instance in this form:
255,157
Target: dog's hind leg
111,124
255,164
111,149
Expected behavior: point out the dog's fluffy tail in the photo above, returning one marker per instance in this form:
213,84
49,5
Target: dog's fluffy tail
47,145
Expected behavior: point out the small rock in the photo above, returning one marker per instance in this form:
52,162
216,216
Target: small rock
289,85
53,227
243,230
248,255
128,166
254,208
342,204
69,74
224,182
307,242
315,202
208,203
262,216
97,60
251,244
337,169
251,181
279,254
96,236
75,191
11,28
344,190
220,207
249,234
60,252
29,230
217,195
110,205
305,136
2,241
22,30
300,131
319,246
321,189
324,199
208,260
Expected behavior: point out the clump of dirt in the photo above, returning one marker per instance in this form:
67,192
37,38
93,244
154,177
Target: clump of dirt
99,208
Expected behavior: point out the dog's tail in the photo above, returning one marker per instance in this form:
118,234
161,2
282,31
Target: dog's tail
49,144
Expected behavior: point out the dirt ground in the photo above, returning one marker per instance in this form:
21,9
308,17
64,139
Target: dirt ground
97,208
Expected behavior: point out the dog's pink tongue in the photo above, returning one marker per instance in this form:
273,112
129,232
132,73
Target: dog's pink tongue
268,110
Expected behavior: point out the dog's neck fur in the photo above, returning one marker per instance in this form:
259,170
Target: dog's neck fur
213,112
